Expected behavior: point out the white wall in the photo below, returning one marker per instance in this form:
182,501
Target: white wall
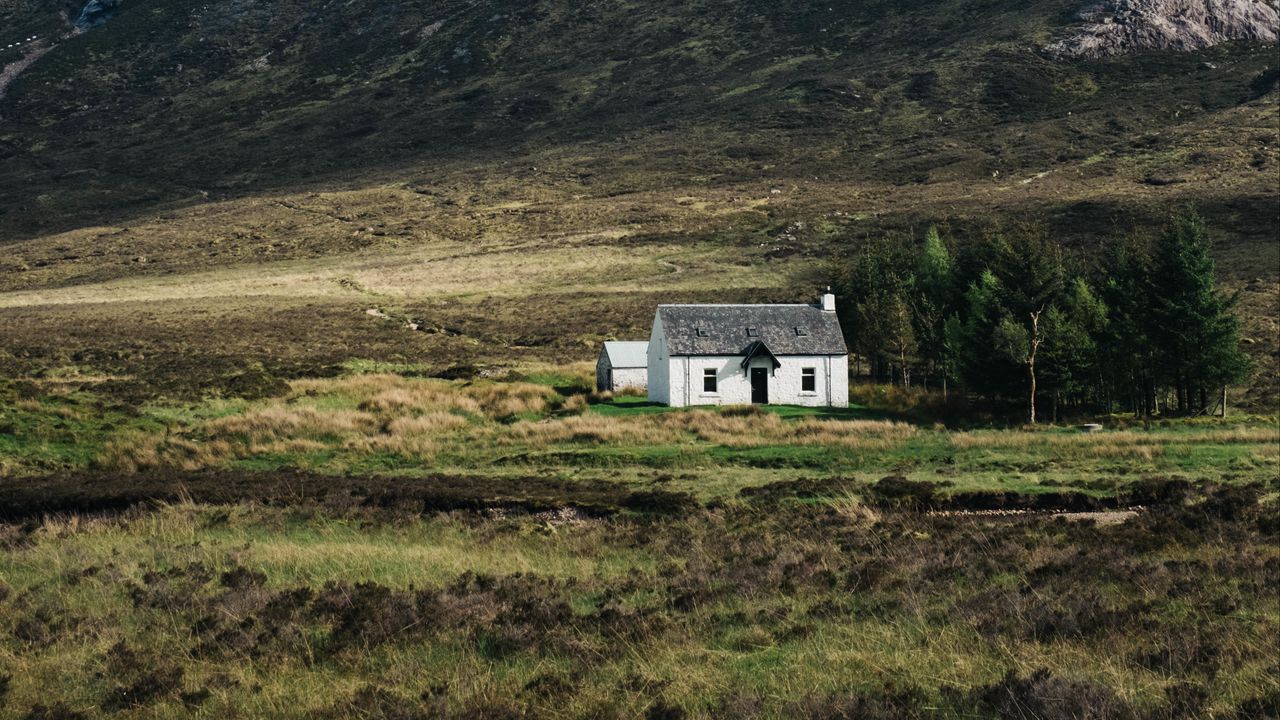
839,374
733,385
612,378
630,377
659,388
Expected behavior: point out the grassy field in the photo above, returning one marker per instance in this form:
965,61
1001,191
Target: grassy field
385,544
256,490
298,303
548,421
795,601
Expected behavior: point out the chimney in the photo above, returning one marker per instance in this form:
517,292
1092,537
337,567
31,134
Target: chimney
829,301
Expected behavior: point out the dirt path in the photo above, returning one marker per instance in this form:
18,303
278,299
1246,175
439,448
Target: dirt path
1101,517
11,71
675,269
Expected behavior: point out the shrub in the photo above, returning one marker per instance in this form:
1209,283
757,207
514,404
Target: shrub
898,491
1048,697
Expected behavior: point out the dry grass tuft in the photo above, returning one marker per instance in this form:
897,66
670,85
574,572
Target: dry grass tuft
418,436
508,400
575,405
593,429
1120,444
430,424
131,452
276,422
396,395
729,430
360,413
134,452
852,508
428,398
755,430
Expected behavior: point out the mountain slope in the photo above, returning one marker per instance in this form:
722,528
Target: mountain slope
176,100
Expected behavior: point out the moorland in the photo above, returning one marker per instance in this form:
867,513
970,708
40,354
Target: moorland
297,306
382,545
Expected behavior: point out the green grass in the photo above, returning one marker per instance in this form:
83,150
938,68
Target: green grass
563,381
779,456
62,431
365,366
77,431
629,405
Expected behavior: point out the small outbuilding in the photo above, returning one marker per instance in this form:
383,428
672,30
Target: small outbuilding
729,354
623,364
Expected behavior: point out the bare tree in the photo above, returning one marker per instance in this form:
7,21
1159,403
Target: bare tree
1032,348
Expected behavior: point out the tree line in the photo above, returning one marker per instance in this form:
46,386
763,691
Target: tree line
1008,315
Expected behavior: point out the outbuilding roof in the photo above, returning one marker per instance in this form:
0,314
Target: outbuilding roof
732,329
627,353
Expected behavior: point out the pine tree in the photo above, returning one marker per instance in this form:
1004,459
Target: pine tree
1031,272
1005,318
1069,360
1193,325
1127,352
875,315
985,369
933,299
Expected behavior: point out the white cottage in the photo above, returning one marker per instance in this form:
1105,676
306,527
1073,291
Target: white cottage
731,354
622,364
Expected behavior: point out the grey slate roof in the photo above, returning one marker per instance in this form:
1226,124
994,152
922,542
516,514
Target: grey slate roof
726,326
627,353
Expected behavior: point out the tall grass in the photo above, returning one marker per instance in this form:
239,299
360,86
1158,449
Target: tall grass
1000,438
729,428
135,451
1132,444
393,394
347,419
756,430
420,418
594,429
770,610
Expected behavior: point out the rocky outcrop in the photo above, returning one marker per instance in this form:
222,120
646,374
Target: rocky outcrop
95,13
1117,27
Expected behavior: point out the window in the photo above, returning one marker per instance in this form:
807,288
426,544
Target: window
709,380
808,380
700,332
801,332
753,332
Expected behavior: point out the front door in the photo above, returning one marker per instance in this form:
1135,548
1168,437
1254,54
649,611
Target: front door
760,385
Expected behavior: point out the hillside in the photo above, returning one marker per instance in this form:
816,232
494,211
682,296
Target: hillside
264,173
174,101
